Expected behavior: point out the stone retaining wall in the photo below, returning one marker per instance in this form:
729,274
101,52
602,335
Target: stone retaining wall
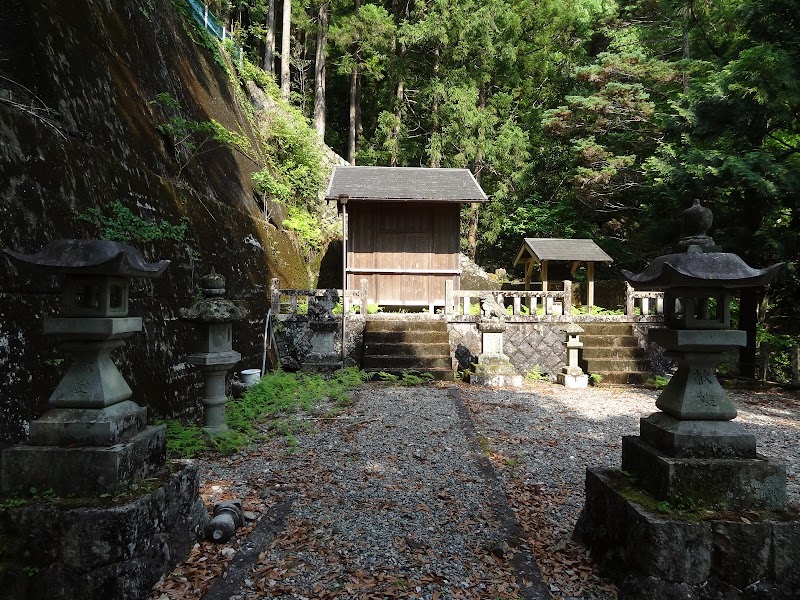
525,344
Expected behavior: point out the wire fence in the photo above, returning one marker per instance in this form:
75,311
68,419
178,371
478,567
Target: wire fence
211,24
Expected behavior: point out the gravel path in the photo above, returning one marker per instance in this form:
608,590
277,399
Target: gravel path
395,497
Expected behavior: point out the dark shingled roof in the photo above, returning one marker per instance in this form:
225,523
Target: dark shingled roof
564,250
404,184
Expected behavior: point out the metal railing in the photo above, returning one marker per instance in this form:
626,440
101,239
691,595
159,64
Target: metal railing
211,24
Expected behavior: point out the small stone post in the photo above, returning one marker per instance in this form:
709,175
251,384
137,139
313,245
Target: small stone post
364,305
275,295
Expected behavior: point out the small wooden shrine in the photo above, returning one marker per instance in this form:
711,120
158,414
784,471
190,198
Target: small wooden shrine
402,230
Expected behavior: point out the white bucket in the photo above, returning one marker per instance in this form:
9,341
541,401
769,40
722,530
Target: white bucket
250,377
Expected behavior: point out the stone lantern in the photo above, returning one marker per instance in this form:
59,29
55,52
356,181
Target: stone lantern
93,439
572,376
691,452
215,354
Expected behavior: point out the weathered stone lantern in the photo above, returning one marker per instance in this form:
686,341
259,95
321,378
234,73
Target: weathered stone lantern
691,452
92,444
215,354
572,376
93,439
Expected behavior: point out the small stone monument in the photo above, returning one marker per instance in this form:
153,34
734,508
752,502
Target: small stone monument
692,453
494,369
572,376
215,354
323,325
93,439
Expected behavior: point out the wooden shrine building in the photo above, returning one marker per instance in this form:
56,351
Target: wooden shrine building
402,230
558,259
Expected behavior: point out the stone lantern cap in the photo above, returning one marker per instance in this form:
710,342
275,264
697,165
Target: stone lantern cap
702,264
90,257
212,308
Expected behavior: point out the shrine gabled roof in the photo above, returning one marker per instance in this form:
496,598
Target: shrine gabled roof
559,249
404,184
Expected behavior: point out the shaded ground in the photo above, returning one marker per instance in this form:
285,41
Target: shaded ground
434,492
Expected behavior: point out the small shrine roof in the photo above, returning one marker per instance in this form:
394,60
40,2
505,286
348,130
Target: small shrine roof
404,184
561,249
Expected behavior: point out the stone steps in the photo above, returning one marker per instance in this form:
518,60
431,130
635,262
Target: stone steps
612,352
609,341
397,346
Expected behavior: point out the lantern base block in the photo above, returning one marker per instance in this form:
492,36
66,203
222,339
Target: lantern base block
84,471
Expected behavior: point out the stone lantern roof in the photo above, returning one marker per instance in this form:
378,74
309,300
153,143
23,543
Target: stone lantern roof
697,268
91,257
702,264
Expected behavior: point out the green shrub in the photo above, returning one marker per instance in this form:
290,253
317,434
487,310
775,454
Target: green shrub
406,378
535,374
658,381
121,225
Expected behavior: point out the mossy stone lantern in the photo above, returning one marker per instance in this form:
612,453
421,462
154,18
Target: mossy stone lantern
93,439
694,438
693,455
214,351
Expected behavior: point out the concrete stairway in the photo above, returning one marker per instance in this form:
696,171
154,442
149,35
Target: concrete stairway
612,351
398,345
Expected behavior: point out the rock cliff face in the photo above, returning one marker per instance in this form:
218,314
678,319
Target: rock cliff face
78,132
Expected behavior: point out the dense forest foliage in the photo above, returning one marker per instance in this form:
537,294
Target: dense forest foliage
580,118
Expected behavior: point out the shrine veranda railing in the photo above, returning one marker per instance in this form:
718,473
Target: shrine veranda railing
464,305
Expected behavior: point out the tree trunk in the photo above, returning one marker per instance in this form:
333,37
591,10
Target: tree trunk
353,110
351,128
286,48
319,71
436,154
474,208
687,17
269,44
398,113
